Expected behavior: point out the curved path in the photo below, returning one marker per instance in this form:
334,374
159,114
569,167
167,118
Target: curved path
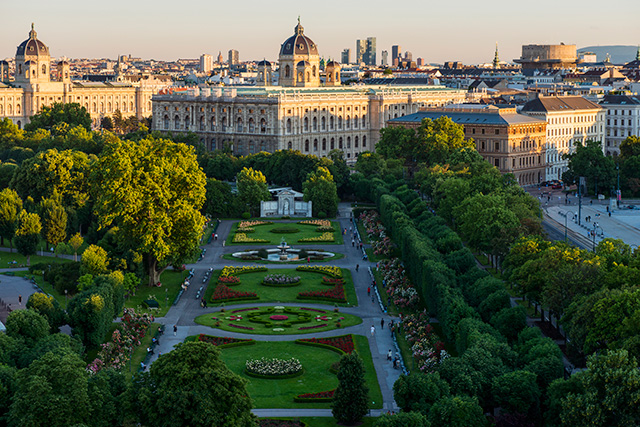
188,308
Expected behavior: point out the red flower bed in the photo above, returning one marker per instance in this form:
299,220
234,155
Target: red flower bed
220,340
244,309
249,328
278,317
229,280
344,342
319,395
336,293
312,327
332,281
222,293
313,309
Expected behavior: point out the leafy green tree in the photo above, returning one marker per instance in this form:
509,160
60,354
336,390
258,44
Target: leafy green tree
107,123
49,307
95,260
517,391
7,389
10,208
438,139
28,234
320,189
340,171
630,147
510,321
106,390
252,189
54,222
403,419
27,325
153,191
220,200
351,398
589,161
397,142
91,313
457,411
611,394
76,241
131,283
418,391
221,166
369,164
70,113
52,391
191,386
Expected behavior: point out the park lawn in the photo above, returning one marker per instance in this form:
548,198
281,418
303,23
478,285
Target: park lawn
165,295
7,258
274,239
269,393
335,256
212,319
326,421
309,281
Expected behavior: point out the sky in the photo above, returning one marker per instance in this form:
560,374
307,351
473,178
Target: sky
458,30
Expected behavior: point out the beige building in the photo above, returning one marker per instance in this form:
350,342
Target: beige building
32,88
547,57
512,142
570,119
299,114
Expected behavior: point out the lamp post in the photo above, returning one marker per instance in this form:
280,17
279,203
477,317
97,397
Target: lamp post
566,217
594,233
618,189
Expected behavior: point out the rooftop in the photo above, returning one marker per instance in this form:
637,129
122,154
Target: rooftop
559,103
471,116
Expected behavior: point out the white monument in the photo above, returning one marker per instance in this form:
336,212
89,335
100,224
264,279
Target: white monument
286,204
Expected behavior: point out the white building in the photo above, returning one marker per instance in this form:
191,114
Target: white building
206,63
570,119
623,120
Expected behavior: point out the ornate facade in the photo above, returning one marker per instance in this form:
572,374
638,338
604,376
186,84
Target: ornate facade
32,88
300,113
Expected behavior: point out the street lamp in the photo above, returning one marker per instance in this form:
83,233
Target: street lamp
618,192
594,233
566,217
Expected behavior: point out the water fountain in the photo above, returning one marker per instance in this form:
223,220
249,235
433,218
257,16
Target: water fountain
284,256
283,252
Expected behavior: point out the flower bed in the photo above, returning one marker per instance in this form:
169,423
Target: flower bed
282,320
313,309
240,310
278,317
274,368
274,422
280,280
284,230
397,285
304,328
322,396
336,293
234,271
324,237
332,271
243,238
324,228
223,293
341,344
246,230
225,342
248,224
318,222
332,281
249,328
426,347
229,280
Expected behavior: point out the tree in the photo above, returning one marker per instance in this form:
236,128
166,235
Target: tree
54,222
611,394
153,191
418,391
28,234
403,419
340,171
369,164
351,398
589,161
397,142
91,313
220,200
320,189
27,325
107,123
457,411
630,147
438,139
76,241
94,261
52,391
517,391
48,307
70,113
10,208
106,390
252,189
191,386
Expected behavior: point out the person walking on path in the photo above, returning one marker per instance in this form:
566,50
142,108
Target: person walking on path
357,267
373,330
369,291
389,356
175,330
353,243
381,324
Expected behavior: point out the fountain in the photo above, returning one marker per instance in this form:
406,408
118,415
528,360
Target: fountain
283,252
284,256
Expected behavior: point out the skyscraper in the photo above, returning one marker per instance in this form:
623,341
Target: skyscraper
206,63
234,57
346,56
396,52
361,48
370,52
220,58
385,58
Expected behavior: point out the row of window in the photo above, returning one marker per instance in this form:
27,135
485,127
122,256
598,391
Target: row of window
348,124
10,109
622,112
322,146
239,126
615,122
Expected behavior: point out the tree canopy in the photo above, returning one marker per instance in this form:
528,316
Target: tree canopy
72,114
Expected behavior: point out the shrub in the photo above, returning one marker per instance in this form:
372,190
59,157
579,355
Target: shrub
284,230
246,215
262,253
280,280
322,215
274,368
325,228
303,254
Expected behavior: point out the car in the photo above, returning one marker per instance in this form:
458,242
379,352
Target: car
556,186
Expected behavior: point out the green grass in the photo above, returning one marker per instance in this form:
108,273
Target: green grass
392,310
171,281
261,329
230,257
363,232
372,257
309,281
263,232
269,393
328,421
21,260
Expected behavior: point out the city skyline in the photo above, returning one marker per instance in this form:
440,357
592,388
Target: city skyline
157,30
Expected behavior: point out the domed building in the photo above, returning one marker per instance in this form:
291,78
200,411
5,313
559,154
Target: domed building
32,60
264,73
299,61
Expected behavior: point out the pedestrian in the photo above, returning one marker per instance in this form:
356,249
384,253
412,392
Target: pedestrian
142,366
160,331
175,330
308,259
215,236
357,267
349,229
344,232
369,291
360,245
381,324
204,301
353,243
389,355
224,242
20,299
373,330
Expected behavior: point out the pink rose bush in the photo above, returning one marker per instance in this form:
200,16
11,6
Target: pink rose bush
397,285
426,347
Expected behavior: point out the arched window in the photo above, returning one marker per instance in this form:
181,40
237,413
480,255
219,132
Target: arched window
288,125
95,107
364,121
348,142
300,76
364,141
19,124
1,109
306,145
202,123
289,145
308,77
18,110
213,144
213,122
166,122
324,144
339,122
306,124
263,146
131,107
315,124
355,142
263,126
314,71
176,122
323,123
355,121
340,143
10,109
332,144
239,123
116,105
287,71
44,70
186,122
252,125
33,73
149,106
224,124
19,68
331,123
102,107
108,107
315,145
348,124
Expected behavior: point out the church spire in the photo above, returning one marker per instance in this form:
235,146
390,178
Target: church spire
299,30
32,33
496,58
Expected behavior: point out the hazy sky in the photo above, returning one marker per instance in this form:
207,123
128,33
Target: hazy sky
465,30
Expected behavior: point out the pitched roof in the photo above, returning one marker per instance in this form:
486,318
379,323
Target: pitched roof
559,103
620,100
469,118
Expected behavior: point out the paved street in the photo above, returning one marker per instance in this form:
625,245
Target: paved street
188,308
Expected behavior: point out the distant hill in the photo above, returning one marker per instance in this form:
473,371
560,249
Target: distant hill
619,54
